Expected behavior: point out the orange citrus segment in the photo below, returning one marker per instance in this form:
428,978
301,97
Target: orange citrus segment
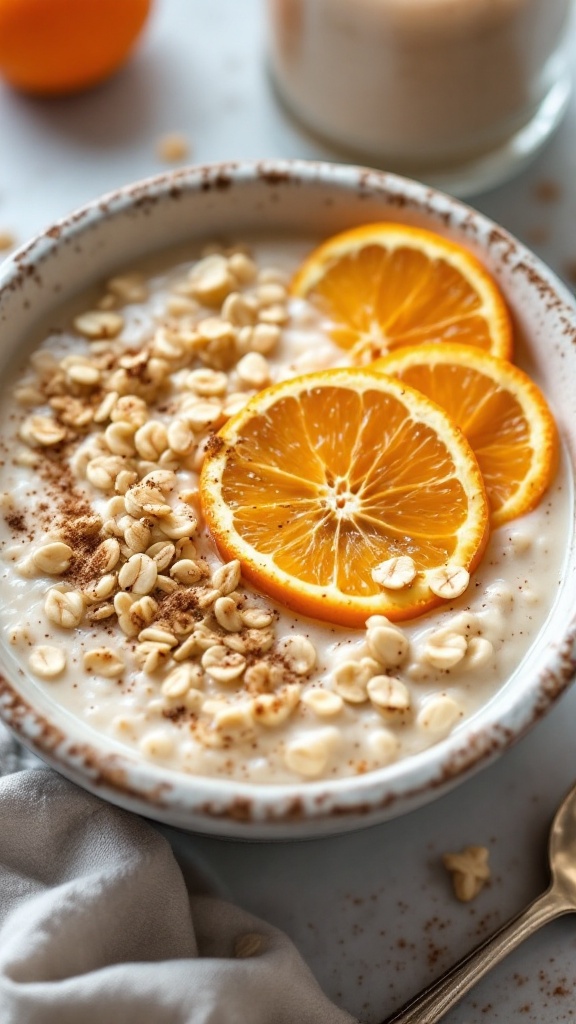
385,286
320,479
500,410
60,47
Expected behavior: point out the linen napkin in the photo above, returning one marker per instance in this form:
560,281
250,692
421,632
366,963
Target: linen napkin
97,925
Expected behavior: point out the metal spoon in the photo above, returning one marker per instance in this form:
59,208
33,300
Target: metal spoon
560,898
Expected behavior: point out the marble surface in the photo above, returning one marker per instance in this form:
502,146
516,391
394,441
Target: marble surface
372,912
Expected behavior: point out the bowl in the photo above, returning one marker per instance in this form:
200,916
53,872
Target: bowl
311,199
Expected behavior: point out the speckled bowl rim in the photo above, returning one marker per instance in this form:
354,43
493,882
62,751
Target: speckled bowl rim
230,808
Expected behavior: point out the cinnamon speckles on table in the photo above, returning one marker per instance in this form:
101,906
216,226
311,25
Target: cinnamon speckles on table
547,190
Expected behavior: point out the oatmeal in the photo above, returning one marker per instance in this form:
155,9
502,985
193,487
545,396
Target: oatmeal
121,607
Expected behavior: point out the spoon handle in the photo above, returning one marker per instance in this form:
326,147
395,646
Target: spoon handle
442,995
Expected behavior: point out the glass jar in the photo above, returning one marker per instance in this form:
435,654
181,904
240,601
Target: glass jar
459,92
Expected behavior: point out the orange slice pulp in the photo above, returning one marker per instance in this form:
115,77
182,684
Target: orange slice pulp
322,478
500,410
385,286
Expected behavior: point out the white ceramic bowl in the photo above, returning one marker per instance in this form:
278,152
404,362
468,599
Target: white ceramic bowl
310,199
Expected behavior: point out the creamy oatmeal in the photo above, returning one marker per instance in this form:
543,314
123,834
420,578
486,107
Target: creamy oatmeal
118,602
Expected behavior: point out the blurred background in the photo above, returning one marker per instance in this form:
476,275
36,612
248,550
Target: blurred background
368,911
196,89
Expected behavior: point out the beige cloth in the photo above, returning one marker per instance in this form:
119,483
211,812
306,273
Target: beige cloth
97,926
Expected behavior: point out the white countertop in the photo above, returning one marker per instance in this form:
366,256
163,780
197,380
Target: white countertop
372,912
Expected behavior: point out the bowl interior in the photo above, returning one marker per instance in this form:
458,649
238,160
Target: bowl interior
312,200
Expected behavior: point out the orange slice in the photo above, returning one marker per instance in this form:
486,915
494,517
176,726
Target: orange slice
320,479
385,286
500,410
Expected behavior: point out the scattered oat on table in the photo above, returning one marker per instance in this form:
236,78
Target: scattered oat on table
470,871
173,148
7,241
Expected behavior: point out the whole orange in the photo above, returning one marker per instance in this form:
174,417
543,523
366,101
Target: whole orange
58,47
